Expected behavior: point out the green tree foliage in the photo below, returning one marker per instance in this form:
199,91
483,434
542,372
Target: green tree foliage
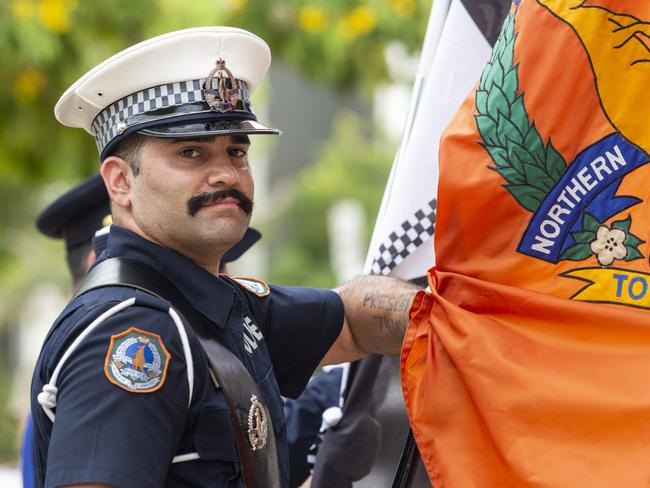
45,45
8,425
352,165
336,41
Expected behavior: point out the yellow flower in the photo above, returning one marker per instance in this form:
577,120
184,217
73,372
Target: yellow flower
23,9
107,220
28,85
405,8
358,22
312,18
236,4
55,14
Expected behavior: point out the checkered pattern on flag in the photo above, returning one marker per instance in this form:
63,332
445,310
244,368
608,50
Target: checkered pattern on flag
409,235
457,46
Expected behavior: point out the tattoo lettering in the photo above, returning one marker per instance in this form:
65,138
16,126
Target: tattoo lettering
387,302
391,325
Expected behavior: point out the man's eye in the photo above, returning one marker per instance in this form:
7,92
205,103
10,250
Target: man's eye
237,153
189,153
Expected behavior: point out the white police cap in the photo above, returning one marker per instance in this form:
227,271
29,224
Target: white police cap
189,83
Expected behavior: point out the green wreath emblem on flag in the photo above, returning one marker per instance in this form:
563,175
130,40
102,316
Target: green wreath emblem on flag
530,166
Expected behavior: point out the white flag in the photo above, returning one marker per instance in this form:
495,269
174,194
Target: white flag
457,45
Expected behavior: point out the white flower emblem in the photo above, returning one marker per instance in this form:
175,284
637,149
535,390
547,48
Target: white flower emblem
609,245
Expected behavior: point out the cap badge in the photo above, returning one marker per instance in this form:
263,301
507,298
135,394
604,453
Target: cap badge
225,96
257,424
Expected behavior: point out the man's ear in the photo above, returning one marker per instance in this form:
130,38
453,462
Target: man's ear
118,179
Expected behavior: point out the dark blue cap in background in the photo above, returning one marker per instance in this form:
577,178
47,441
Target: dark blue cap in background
77,214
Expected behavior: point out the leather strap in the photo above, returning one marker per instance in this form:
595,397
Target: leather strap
259,467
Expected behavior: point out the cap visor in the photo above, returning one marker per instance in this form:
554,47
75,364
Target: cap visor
209,128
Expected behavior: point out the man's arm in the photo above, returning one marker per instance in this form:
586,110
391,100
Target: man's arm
94,414
376,316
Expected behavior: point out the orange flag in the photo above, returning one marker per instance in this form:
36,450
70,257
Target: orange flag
528,364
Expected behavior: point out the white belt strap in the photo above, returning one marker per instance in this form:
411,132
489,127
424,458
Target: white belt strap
47,397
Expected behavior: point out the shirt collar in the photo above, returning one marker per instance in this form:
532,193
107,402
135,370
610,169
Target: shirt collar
212,296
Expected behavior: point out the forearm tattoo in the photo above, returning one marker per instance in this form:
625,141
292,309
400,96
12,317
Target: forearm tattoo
377,311
388,325
392,317
386,302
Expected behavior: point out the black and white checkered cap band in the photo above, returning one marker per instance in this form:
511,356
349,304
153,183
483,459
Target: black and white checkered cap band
105,125
413,232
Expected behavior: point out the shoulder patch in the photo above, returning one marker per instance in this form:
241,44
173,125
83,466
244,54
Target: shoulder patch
137,361
258,287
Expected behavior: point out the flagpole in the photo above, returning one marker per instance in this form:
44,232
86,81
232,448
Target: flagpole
408,463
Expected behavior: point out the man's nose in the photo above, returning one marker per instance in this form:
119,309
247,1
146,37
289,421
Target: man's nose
222,172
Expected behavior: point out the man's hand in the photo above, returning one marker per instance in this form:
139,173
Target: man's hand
376,317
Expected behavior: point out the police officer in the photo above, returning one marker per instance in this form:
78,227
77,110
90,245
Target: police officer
74,217
80,218
136,383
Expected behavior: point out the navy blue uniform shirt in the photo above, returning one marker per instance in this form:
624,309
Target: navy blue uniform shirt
107,434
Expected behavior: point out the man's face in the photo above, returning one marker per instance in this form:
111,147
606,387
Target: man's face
194,196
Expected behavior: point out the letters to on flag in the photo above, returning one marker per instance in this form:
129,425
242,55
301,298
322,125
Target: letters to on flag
527,363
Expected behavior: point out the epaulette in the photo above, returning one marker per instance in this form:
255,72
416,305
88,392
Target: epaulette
255,286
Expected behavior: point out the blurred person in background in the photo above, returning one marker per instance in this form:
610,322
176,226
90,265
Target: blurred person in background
74,217
316,409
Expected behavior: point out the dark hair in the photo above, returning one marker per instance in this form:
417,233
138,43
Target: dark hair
129,151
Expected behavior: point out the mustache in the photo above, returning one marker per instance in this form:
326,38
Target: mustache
195,203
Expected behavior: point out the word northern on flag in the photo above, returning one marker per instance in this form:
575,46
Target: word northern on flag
527,364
